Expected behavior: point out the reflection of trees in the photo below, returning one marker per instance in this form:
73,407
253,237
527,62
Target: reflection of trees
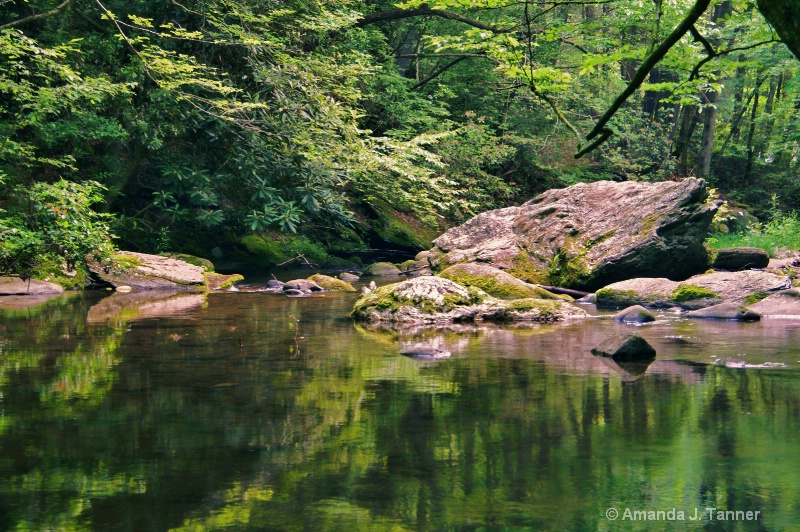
198,433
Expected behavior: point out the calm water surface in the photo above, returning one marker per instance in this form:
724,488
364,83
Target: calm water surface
126,413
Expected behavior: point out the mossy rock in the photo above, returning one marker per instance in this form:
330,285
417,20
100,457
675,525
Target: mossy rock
405,265
430,295
52,270
331,283
609,297
755,297
274,249
206,264
495,282
381,269
218,281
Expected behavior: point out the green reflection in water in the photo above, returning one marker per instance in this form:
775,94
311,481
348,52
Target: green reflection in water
164,422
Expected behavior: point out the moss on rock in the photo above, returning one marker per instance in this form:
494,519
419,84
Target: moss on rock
331,283
690,292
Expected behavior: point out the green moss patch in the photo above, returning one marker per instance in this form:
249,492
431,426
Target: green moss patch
617,298
488,284
522,267
218,281
755,297
690,292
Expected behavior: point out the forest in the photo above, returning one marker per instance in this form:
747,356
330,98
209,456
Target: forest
260,130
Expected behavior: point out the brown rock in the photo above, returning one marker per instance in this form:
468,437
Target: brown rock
589,235
780,304
635,314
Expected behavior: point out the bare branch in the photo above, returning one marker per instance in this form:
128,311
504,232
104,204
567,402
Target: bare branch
31,18
425,10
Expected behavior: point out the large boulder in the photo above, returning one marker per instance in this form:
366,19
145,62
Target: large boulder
696,292
725,311
496,282
381,269
784,304
429,299
590,234
149,272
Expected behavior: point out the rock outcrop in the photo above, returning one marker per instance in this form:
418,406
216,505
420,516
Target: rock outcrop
590,234
430,299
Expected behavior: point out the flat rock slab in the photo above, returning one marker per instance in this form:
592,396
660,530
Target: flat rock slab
14,286
784,304
141,271
696,292
725,311
590,234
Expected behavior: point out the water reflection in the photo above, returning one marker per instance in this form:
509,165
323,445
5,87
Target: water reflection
120,413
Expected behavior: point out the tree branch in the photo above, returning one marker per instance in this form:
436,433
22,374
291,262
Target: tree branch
425,10
31,18
648,64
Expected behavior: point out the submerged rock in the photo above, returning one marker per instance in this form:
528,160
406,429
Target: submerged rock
426,353
735,259
430,299
14,286
590,234
331,283
628,348
149,272
496,282
635,314
725,311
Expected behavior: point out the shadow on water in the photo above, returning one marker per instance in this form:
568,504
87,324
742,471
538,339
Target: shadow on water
257,411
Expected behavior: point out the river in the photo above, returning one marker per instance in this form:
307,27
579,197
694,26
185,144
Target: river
255,411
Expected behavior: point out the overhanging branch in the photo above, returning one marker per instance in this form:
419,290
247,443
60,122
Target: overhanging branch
31,18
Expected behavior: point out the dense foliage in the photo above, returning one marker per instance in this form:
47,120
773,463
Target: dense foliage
227,118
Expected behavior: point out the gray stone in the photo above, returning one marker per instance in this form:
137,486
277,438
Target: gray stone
735,259
590,234
725,311
274,283
628,348
348,277
14,286
293,292
635,314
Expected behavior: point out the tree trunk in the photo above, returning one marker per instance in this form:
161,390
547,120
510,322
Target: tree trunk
750,148
784,15
707,142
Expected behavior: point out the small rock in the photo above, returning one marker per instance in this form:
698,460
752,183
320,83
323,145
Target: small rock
588,299
625,348
635,314
725,311
365,290
292,292
381,269
735,259
348,277
302,284
218,281
123,289
372,285
274,283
